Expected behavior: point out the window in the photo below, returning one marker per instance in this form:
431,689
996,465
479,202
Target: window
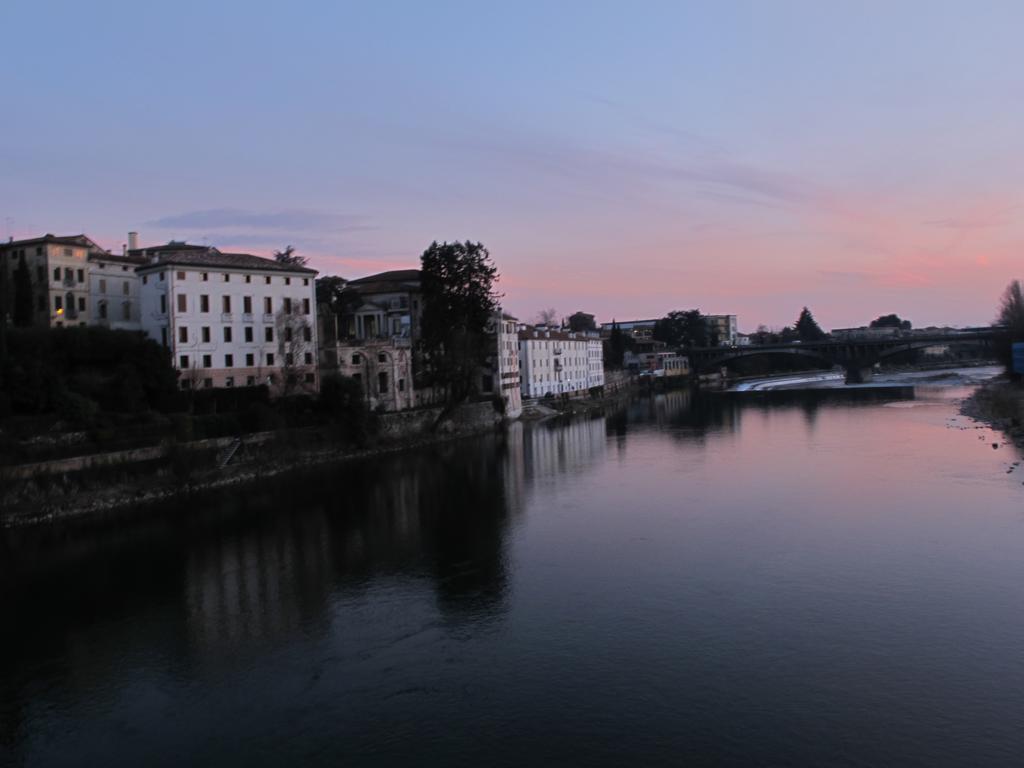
181,275
401,385
287,333
248,278
307,333
204,303
305,281
287,281
248,333
81,275
103,310
309,358
287,306
229,360
227,278
161,277
247,304
145,279
357,359
183,361
103,286
267,279
227,334
382,383
205,330
205,276
289,358
69,276
305,306
268,306
381,357
250,381
270,358
183,334
81,304
227,304
67,252
163,303
250,360
124,288
182,302
56,275
207,361
268,334
229,381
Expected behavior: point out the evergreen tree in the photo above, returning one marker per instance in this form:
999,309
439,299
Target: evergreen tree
22,295
459,301
807,328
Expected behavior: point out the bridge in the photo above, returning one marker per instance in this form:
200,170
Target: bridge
856,356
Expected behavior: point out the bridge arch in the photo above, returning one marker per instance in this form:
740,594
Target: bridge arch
745,352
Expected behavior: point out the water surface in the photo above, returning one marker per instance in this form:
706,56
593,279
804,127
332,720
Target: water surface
786,578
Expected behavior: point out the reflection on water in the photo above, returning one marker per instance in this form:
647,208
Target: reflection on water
643,587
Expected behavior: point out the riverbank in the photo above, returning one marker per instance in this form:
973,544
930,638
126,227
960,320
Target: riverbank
179,470
999,404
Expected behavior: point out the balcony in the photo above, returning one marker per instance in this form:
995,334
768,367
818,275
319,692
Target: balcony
247,317
226,317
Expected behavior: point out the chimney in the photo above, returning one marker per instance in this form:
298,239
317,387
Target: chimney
133,241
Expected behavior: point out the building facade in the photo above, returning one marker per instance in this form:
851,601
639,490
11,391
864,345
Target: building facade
230,319
58,269
722,329
114,291
555,362
501,376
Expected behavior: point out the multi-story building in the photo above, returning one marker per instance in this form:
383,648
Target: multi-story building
230,319
58,268
501,375
390,306
114,290
637,329
722,329
554,361
595,360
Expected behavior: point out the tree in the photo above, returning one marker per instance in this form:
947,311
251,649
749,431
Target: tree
581,321
290,257
1011,320
682,329
617,345
22,295
547,317
807,329
294,342
891,321
459,301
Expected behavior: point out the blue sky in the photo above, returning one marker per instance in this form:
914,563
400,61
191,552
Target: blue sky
624,159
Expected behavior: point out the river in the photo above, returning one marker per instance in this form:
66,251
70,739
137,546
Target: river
828,577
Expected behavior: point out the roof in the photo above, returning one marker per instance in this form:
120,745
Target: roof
116,258
395,280
185,255
81,241
529,333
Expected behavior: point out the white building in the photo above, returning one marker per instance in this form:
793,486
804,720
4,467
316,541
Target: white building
722,329
595,361
556,362
501,376
230,319
114,291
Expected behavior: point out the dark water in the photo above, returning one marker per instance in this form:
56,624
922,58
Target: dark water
800,580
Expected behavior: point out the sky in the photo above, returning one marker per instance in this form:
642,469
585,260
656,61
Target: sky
623,159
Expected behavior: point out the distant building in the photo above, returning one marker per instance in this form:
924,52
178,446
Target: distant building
722,328
114,289
865,333
230,319
637,329
557,362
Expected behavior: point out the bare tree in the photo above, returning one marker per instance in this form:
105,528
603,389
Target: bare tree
294,343
547,317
